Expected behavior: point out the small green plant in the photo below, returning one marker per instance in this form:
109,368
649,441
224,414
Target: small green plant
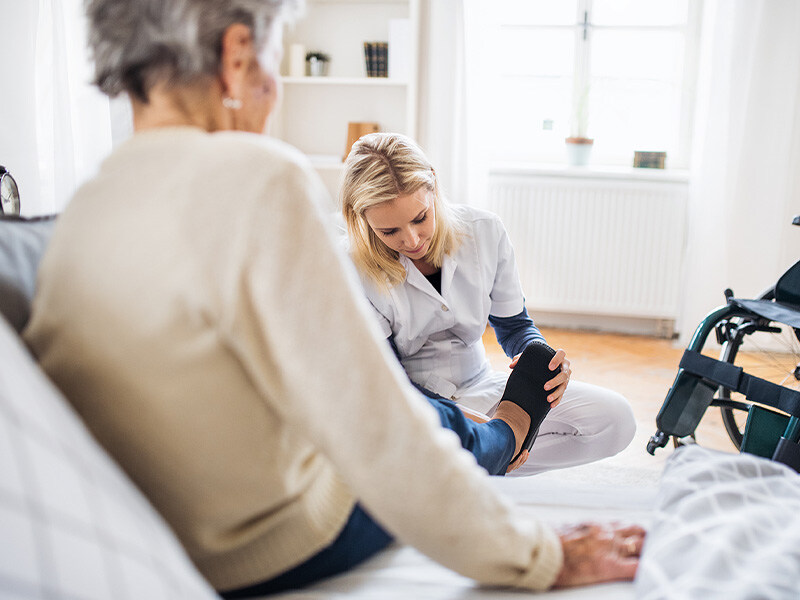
320,56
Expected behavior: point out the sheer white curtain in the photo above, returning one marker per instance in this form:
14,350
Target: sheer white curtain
73,124
452,98
745,183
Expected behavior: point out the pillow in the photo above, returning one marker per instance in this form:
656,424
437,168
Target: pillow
22,243
71,524
725,526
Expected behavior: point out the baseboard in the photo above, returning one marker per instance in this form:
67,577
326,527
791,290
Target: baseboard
662,328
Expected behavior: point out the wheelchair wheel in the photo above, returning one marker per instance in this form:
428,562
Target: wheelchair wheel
763,349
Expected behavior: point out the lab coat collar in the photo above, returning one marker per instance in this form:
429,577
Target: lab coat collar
418,280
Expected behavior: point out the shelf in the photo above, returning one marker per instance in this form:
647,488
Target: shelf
371,81
316,111
323,2
356,1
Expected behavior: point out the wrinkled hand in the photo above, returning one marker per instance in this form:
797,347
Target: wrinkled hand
594,553
558,383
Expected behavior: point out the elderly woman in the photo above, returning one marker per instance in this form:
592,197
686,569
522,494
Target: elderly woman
436,274
177,311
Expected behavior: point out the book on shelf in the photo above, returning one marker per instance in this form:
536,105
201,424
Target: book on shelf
376,58
383,56
369,63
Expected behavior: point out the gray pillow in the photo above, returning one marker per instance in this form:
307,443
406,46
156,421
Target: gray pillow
22,243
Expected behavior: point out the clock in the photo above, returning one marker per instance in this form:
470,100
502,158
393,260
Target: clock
9,193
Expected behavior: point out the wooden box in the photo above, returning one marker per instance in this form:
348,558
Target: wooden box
356,130
649,160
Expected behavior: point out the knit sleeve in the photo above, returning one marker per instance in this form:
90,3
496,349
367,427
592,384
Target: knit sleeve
306,335
515,333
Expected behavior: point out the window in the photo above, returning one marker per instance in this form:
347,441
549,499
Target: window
618,71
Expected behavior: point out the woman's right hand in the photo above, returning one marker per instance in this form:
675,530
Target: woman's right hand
594,553
558,384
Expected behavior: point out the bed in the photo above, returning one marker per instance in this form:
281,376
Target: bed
403,573
721,525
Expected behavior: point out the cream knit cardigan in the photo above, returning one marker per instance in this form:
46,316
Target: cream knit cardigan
196,310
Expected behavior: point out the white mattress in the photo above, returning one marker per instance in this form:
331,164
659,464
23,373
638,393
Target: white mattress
401,572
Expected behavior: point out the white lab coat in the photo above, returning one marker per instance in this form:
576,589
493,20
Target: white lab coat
438,335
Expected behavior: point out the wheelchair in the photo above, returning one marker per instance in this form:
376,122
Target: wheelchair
755,382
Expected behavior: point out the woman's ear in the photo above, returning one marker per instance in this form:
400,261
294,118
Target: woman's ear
238,53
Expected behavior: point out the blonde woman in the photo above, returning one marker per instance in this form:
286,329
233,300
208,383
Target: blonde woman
435,274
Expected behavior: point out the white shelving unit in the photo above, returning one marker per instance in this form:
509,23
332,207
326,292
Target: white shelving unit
323,81
316,110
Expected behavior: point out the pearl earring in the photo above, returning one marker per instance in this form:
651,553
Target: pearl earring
232,103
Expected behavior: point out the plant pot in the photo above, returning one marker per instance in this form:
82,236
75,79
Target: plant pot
317,67
579,150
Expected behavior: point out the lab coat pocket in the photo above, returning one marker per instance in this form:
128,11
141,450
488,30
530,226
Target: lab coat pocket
437,385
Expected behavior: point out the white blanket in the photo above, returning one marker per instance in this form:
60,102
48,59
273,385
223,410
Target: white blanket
402,573
725,526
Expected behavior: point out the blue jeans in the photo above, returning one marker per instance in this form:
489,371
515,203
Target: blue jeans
491,443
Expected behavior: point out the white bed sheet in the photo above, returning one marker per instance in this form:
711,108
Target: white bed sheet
725,526
402,573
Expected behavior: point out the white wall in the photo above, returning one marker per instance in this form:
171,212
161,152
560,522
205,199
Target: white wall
745,184
56,127
18,149
20,153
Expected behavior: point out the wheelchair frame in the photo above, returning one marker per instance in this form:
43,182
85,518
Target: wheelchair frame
700,377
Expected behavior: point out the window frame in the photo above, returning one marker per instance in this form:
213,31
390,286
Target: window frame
583,27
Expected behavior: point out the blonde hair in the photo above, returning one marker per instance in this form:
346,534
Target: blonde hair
380,168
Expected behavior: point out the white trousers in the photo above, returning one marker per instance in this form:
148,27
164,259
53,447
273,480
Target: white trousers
590,423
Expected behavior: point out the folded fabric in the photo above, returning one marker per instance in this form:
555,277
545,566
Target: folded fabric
725,526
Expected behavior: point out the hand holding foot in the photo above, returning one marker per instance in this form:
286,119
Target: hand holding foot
558,383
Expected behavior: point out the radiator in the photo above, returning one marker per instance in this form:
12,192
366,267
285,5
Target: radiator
595,246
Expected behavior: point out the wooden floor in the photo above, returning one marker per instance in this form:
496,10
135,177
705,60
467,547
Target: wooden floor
640,368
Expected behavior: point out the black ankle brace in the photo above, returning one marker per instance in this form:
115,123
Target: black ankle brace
525,387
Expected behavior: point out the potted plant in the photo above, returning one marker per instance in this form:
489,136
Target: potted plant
317,63
579,145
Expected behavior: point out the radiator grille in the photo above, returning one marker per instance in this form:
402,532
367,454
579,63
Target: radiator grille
595,246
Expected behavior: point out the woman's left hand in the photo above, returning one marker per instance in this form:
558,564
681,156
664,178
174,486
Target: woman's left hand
558,383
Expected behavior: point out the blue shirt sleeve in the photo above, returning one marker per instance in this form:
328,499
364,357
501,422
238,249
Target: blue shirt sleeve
515,333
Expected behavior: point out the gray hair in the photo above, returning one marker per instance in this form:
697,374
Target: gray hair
136,43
